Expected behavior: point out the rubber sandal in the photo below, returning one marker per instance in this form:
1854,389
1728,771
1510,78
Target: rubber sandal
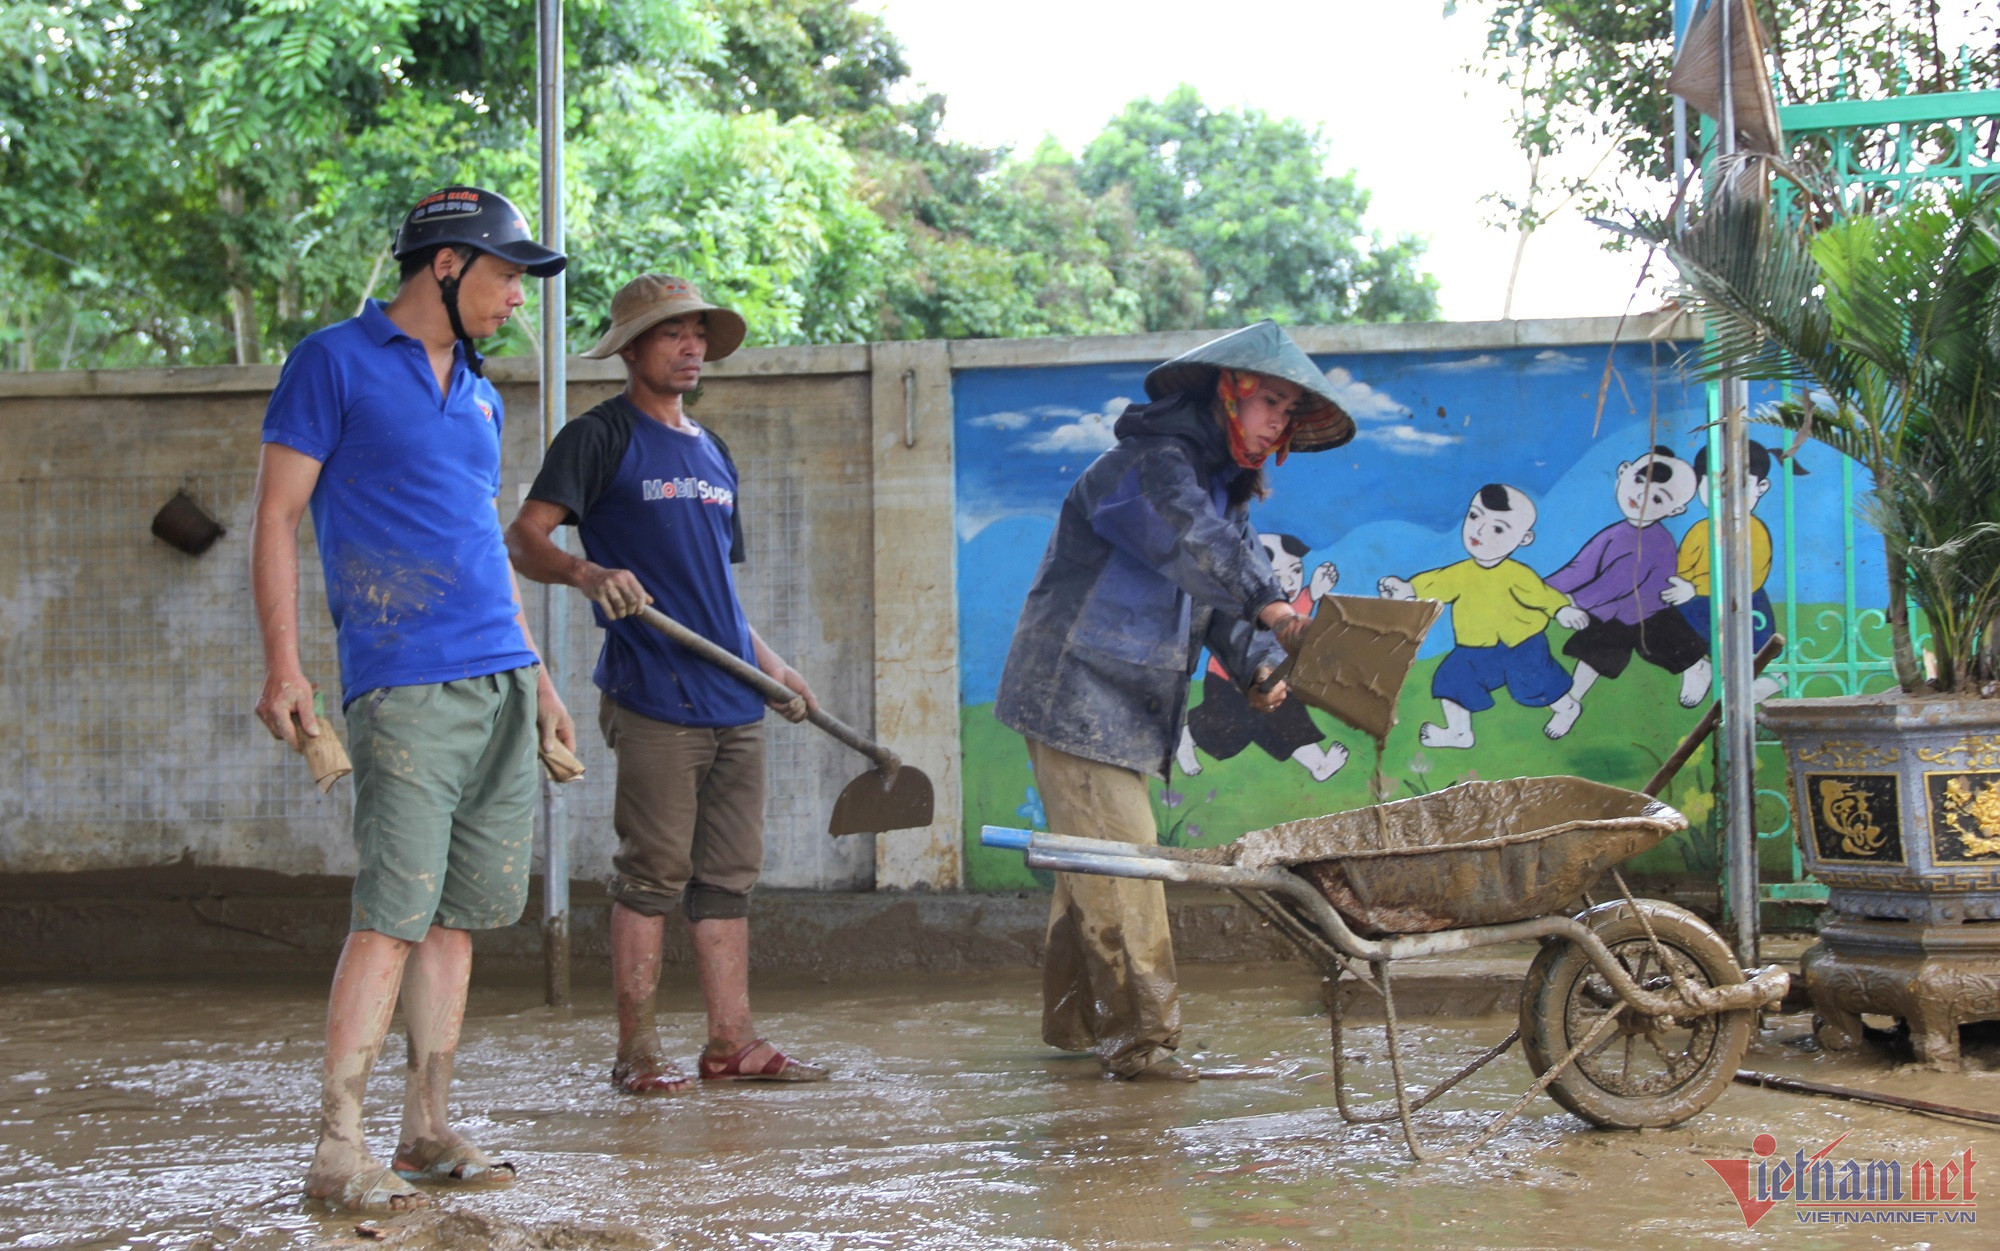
649,1078
376,1190
779,1068
459,1164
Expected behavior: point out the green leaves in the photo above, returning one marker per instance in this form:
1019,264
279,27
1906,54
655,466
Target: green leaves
192,181
1889,324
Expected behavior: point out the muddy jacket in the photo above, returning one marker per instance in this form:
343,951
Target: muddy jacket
1147,564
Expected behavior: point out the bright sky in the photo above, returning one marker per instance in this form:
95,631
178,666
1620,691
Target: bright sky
1385,79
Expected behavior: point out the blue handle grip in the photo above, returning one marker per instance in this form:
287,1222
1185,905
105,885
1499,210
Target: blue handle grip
1001,836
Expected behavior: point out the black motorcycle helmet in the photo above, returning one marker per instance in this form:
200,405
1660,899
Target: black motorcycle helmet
484,221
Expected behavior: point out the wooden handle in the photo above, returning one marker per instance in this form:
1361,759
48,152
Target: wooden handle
323,752
1706,726
767,686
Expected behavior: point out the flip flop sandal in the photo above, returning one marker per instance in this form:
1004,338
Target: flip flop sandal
460,1164
376,1190
645,1079
779,1068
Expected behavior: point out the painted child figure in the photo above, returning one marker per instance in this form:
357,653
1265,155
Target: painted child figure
1618,578
1224,723
1499,619
1689,588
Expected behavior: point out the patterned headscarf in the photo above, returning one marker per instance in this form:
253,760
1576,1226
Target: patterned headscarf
1233,387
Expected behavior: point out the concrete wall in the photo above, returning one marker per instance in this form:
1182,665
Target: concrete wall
128,671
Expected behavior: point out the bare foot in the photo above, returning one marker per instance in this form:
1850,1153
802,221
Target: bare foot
1431,734
648,1075
1563,715
1321,762
1694,682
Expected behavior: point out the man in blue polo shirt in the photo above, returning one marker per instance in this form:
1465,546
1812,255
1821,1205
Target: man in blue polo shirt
385,429
654,497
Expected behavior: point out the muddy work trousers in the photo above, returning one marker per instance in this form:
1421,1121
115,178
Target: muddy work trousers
1108,983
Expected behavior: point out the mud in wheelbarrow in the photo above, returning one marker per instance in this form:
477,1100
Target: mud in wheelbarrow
1479,853
1634,1013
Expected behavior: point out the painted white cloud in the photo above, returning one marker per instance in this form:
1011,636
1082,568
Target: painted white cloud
1410,441
1485,360
1551,361
1362,402
1083,432
1009,420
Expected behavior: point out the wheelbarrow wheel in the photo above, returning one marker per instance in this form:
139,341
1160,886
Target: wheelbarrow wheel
1648,1072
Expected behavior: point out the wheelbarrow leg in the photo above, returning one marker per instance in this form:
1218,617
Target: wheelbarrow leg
1330,989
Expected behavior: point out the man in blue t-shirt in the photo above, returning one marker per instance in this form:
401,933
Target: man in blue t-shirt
655,498
384,428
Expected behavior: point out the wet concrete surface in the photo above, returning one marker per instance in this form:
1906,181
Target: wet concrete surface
180,1116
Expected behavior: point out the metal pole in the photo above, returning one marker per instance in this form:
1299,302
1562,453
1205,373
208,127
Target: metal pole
1683,12
1739,726
555,388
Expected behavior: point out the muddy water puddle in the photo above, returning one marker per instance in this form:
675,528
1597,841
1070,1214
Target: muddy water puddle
180,1117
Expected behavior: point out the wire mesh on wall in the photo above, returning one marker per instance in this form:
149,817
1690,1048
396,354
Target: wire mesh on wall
130,672
132,669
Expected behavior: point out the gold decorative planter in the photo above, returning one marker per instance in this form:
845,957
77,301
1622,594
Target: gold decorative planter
1896,804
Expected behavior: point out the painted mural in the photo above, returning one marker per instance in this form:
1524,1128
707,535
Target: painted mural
1488,480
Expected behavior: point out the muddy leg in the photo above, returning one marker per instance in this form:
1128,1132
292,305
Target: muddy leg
434,983
635,979
1109,980
357,1018
722,963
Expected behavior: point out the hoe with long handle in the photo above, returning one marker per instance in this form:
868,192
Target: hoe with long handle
892,796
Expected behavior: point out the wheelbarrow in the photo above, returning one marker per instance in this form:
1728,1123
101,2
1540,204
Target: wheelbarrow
1634,1013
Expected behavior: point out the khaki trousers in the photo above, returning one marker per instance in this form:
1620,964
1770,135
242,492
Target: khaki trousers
1108,983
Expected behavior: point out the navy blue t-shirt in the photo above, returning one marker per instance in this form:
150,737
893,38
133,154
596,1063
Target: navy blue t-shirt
662,503
416,569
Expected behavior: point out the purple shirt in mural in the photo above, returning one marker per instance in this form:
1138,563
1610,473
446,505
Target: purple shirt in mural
1619,574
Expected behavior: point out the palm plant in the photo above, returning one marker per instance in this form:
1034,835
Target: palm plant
1887,324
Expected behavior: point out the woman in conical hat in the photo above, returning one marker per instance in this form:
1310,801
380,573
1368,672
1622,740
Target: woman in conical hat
1152,559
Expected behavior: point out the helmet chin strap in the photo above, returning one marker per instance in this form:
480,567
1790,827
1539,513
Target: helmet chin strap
448,291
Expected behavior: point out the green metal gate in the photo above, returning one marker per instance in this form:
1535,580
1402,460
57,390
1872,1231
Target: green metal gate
1876,150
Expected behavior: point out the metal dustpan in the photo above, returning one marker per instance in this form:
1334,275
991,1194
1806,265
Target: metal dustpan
1356,654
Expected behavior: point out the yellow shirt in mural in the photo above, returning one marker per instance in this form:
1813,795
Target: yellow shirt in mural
1506,604
1694,555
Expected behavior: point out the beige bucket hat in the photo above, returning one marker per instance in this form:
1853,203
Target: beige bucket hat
650,299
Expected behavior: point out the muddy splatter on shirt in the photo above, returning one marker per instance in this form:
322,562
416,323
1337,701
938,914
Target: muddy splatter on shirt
410,545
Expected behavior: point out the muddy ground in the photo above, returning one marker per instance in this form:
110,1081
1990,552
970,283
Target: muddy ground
179,1116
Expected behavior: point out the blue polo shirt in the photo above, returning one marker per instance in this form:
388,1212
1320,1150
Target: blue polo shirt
416,570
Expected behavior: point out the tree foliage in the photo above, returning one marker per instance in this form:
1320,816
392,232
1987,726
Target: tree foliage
1273,233
1889,325
194,181
1592,73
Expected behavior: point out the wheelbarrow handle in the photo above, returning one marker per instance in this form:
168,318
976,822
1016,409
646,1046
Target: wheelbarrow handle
767,686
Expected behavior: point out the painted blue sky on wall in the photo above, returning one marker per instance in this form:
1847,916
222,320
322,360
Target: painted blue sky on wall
1433,428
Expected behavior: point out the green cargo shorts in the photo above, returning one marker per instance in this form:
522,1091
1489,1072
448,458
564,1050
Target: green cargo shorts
444,803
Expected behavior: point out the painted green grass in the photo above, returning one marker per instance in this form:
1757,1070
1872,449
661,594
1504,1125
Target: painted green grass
1629,725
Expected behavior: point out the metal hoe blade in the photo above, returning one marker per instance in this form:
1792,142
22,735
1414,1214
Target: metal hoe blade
899,799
